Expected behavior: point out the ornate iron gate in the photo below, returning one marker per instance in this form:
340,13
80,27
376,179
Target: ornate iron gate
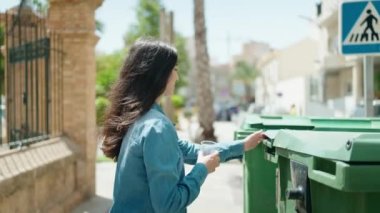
33,77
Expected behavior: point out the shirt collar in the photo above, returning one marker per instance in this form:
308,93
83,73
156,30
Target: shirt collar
158,108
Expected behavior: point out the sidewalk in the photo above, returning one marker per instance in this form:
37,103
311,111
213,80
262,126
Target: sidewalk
222,191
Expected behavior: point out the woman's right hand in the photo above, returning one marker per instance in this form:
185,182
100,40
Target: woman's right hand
211,161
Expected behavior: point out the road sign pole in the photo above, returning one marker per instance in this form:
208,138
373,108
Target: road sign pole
368,85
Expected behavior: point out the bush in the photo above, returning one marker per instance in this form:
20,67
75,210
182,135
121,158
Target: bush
178,101
101,106
100,90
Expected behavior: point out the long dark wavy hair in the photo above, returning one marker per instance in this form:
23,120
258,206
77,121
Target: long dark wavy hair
142,80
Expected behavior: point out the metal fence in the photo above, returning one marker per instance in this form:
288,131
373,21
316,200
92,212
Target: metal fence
33,79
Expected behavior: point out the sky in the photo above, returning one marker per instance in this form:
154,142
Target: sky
229,23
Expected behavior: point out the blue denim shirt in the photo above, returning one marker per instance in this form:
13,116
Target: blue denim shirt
150,175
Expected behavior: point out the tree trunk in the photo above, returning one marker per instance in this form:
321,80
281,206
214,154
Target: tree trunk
204,95
167,36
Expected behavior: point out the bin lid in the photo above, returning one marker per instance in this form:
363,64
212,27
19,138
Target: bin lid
282,124
346,124
271,134
277,122
342,146
260,118
317,123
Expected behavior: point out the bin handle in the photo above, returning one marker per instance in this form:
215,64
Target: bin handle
322,176
267,143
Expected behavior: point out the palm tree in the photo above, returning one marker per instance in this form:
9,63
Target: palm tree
205,98
246,74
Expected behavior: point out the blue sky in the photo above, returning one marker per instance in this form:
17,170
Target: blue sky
273,21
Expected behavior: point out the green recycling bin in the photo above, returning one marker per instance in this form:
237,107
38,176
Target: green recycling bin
259,174
260,164
321,171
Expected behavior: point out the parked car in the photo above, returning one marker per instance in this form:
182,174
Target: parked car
225,112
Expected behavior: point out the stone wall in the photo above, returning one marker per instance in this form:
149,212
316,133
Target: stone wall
57,175
39,178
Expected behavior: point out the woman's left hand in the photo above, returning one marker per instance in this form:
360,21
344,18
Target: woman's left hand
252,140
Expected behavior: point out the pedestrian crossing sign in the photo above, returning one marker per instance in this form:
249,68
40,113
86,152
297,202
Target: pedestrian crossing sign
360,27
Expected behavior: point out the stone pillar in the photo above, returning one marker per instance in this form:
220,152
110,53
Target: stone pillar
74,20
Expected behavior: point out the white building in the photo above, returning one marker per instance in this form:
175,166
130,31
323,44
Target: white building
287,72
266,83
340,77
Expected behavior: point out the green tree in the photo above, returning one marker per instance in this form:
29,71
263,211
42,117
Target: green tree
247,74
148,22
101,104
41,6
99,26
183,61
107,71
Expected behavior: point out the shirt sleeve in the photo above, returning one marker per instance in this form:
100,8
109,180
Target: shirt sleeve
189,151
227,150
230,150
168,191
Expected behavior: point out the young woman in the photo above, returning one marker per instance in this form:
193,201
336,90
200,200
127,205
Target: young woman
150,158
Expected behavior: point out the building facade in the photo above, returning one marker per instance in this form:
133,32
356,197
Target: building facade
285,74
340,77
